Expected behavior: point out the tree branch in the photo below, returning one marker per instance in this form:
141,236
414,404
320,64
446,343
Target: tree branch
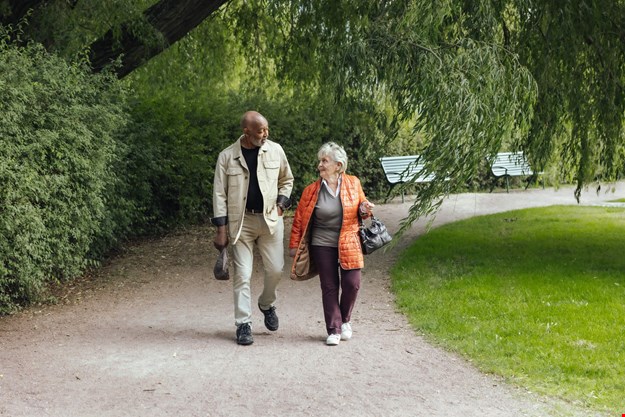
19,9
171,18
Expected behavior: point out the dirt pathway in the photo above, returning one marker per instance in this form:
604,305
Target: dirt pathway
154,336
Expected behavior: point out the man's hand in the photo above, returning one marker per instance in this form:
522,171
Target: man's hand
221,238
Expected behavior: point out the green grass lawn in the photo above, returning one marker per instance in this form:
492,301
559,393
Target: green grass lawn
536,296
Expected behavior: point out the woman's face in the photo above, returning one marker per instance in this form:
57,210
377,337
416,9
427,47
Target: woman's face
328,167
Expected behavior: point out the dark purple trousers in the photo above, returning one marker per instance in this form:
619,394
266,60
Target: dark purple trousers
336,309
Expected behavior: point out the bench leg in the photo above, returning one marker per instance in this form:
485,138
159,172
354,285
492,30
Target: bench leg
390,191
528,182
535,177
388,195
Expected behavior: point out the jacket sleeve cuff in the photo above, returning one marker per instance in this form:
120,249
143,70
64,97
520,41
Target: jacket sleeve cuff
283,202
219,221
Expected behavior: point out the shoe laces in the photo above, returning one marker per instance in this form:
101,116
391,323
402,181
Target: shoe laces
245,330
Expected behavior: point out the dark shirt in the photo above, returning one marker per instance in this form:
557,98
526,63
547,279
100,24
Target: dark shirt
254,196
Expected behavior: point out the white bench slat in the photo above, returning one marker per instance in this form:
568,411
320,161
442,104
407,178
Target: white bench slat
512,164
400,169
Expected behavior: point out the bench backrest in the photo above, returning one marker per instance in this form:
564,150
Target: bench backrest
511,163
399,169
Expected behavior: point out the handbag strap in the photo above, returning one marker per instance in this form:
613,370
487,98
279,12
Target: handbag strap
361,221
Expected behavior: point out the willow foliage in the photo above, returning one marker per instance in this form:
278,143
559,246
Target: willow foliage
470,95
477,76
542,77
69,27
576,52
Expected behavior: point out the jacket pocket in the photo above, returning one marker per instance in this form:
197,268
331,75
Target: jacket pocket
271,171
236,176
271,164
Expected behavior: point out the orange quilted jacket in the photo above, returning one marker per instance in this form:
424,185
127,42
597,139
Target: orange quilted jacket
350,251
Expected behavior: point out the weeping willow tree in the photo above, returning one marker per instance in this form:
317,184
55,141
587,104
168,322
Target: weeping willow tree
543,77
126,33
576,54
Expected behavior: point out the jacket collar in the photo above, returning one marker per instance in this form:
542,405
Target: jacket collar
239,153
324,183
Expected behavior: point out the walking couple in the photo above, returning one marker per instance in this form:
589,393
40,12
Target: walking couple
252,190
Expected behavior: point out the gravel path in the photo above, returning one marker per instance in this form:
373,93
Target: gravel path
153,335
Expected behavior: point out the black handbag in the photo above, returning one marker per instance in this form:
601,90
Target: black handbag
374,236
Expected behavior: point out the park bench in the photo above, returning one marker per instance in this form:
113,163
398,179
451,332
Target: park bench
512,164
401,169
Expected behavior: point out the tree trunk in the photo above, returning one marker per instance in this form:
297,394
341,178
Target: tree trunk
172,18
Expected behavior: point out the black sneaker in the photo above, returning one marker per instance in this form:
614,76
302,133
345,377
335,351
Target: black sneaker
244,334
271,319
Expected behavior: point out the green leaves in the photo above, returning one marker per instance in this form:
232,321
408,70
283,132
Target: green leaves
453,80
58,127
470,96
475,101
575,52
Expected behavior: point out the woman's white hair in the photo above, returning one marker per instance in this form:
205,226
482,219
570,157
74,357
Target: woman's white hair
335,152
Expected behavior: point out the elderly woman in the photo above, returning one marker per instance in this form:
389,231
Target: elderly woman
327,215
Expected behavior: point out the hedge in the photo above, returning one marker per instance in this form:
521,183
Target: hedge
59,194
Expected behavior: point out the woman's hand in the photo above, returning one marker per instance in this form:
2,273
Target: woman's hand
366,207
292,252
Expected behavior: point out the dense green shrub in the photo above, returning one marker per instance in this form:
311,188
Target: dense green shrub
178,133
174,141
188,103
302,123
59,201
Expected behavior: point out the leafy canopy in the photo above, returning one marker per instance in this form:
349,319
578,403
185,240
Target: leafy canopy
474,77
543,77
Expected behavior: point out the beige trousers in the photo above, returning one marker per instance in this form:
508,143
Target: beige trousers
255,232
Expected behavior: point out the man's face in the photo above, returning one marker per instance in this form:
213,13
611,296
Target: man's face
258,132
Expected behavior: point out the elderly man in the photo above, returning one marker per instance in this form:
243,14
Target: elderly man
252,188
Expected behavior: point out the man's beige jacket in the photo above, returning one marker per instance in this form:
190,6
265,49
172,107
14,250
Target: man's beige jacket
232,180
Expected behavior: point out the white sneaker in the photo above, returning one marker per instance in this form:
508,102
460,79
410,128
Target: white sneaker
346,331
333,339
